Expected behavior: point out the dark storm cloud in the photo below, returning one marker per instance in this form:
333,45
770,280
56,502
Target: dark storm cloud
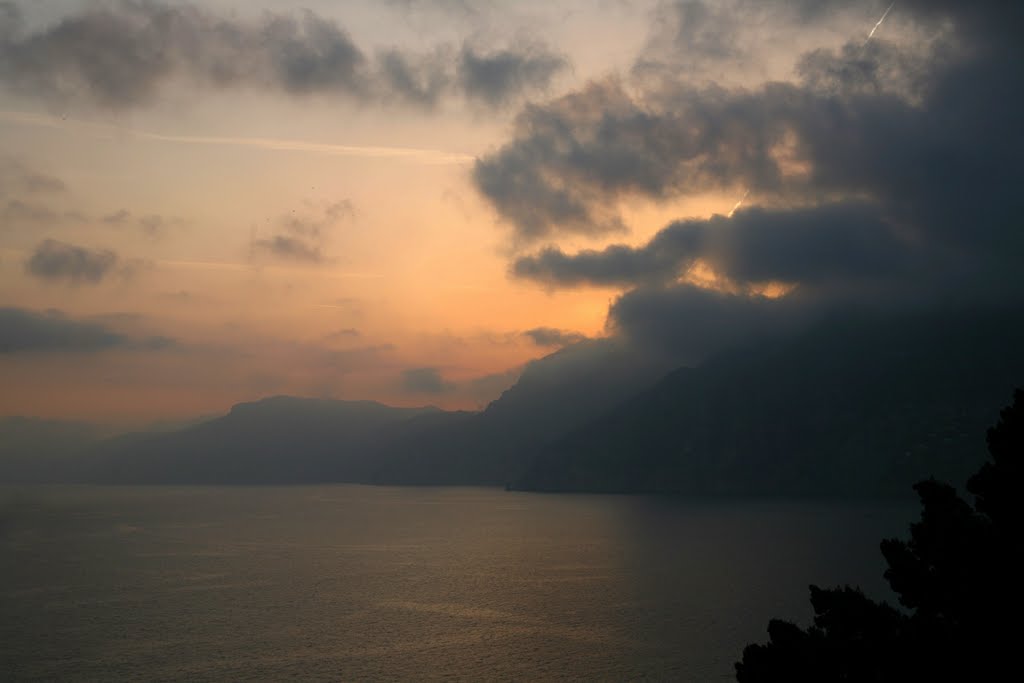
887,173
56,261
936,150
23,330
553,337
425,381
813,246
121,54
574,159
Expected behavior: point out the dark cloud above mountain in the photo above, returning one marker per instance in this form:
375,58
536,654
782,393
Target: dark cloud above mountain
426,381
121,54
886,172
553,337
59,261
688,323
23,331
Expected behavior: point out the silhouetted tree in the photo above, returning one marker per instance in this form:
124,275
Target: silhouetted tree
958,578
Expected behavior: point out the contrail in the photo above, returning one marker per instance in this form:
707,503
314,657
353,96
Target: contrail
738,204
423,156
875,28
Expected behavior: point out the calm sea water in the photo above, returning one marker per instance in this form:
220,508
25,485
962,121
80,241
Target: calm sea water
361,583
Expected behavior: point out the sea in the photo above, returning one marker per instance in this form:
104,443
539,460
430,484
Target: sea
362,583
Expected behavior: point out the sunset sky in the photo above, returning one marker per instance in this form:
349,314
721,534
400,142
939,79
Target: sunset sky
204,203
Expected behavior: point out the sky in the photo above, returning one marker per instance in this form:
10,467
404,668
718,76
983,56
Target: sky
209,202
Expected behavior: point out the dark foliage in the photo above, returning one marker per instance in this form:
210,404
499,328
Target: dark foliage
957,578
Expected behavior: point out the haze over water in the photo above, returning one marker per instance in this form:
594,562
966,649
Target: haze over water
364,583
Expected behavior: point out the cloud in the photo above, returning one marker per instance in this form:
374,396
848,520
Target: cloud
152,225
302,236
56,261
689,323
121,54
345,333
495,77
691,34
550,336
130,269
741,42
26,195
425,381
417,79
16,178
293,248
883,173
22,330
863,121
117,218
841,242
18,211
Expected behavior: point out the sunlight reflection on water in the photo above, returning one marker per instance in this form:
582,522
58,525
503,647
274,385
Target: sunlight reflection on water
364,583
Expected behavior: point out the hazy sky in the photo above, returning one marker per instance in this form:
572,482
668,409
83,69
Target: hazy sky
209,202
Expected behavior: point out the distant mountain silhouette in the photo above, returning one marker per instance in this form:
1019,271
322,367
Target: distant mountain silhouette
292,440
276,440
857,405
37,450
553,395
